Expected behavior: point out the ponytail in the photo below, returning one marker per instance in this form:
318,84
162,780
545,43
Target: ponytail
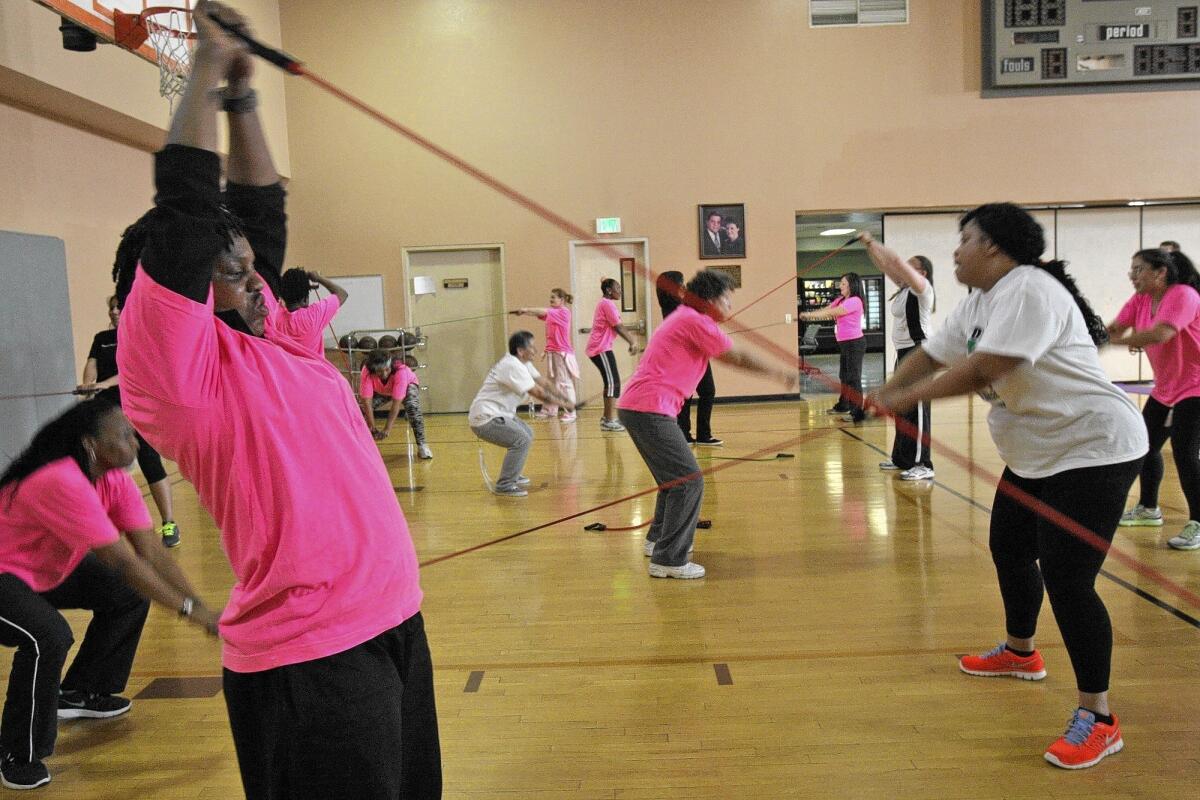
566,297
1019,236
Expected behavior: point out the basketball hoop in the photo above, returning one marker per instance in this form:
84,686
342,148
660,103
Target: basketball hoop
168,30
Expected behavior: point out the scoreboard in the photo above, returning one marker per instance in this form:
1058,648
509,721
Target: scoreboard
1057,45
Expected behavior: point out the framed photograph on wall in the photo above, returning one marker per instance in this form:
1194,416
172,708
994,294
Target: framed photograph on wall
723,231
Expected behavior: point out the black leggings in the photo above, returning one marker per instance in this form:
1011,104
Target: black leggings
706,390
150,461
1029,550
606,362
850,375
1180,424
911,448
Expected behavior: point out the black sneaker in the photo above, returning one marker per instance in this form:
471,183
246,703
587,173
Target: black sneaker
23,774
837,410
170,534
711,441
75,704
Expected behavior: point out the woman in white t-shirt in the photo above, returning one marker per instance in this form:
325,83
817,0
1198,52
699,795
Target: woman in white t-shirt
912,305
1025,340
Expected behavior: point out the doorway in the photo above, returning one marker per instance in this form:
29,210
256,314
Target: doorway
592,262
460,310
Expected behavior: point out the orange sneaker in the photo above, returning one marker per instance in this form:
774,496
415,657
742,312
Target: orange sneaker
1001,661
1086,741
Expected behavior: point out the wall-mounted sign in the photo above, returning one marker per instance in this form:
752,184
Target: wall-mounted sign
454,283
424,284
608,224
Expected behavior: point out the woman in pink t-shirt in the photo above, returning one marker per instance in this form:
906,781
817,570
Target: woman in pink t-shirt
64,504
561,367
389,380
675,360
847,311
606,326
1164,318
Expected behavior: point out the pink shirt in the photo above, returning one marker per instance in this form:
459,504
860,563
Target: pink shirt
396,386
849,325
604,324
674,362
558,330
57,515
309,521
305,325
1176,363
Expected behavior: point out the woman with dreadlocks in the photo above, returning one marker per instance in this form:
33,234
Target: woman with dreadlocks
328,678
64,504
1025,340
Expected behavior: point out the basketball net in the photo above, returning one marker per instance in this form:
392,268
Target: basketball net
169,32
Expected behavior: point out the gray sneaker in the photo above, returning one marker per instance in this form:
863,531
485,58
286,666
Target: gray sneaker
1140,516
1188,538
510,491
611,425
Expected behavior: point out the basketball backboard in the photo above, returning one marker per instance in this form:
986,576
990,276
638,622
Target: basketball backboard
97,16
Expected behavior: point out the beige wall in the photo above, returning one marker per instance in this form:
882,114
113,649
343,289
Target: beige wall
84,189
643,110
75,131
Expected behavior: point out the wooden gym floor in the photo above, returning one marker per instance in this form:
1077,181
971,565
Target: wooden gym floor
816,660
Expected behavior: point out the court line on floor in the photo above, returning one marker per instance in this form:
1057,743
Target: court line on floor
1124,584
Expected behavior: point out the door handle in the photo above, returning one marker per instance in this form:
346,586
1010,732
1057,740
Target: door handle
638,327
585,330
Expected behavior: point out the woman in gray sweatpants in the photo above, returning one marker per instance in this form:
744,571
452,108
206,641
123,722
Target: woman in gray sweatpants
675,360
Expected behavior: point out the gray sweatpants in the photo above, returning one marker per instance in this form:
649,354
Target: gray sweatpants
514,434
660,442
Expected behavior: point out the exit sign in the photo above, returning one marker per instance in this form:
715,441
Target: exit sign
608,224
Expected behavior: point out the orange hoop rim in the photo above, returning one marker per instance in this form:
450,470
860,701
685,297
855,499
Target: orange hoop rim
131,30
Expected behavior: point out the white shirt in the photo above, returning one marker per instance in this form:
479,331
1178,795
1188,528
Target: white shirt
507,383
1057,410
900,335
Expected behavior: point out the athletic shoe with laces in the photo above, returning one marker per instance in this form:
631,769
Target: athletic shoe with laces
837,410
888,465
567,418
16,774
510,491
611,425
424,452
523,482
1086,741
917,473
711,441
1140,516
1000,661
545,415
170,534
689,571
75,704
1188,538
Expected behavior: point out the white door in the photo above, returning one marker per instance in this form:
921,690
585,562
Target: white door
463,320
592,262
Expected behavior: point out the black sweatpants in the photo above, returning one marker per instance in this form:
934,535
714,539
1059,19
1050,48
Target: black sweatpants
149,461
1180,424
911,447
30,622
850,364
359,724
1030,552
706,390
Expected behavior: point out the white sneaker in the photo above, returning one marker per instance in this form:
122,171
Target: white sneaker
1140,516
887,465
917,473
424,452
687,572
567,418
510,491
1188,538
611,425
523,482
